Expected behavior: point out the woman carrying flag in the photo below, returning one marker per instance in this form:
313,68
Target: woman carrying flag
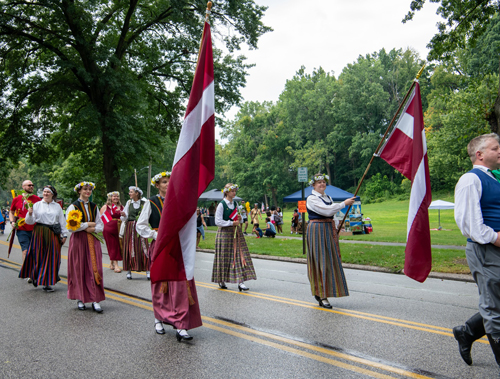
114,209
85,283
232,261
174,303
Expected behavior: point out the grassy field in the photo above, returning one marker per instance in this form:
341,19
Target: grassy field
389,225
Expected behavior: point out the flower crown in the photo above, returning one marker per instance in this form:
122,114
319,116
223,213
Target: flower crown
80,185
227,189
159,176
113,193
318,177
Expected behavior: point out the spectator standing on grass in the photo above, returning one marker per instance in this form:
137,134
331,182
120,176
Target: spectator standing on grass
244,216
270,230
295,222
278,219
255,214
324,266
200,223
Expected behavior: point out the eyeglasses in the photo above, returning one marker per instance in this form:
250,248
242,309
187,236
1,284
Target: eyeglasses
30,185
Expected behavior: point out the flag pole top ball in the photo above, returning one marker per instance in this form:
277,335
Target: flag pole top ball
209,5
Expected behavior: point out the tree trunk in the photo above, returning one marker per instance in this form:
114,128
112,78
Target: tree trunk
273,193
109,165
265,201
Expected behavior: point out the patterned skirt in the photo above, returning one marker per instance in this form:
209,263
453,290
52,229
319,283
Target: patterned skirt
324,266
229,265
135,250
43,258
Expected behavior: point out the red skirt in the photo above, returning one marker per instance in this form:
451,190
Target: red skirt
81,282
110,234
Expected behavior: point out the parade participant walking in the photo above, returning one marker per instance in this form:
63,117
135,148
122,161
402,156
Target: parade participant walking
18,211
85,283
174,303
232,261
49,234
200,223
113,208
324,266
477,214
135,248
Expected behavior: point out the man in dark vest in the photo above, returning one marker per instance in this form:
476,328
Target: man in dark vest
477,214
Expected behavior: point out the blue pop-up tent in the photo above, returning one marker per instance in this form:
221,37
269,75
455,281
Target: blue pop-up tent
335,193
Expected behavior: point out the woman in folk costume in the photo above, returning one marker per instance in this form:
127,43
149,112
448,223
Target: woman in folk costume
232,261
174,303
85,283
135,248
324,266
114,208
44,255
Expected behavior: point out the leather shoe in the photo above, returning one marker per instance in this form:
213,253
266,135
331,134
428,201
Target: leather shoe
464,346
243,287
129,275
325,304
97,307
182,335
222,286
159,327
81,306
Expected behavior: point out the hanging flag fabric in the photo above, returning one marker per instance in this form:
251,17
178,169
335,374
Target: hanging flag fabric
107,216
406,151
234,215
192,171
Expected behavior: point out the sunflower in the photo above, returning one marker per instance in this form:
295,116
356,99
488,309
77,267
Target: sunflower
75,214
21,222
74,218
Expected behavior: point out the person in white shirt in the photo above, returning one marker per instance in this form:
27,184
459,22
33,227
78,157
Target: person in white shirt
43,258
85,278
477,214
324,266
232,261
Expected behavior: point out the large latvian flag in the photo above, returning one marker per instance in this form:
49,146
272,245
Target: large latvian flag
406,151
193,170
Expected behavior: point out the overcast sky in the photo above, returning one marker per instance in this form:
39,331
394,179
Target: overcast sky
330,34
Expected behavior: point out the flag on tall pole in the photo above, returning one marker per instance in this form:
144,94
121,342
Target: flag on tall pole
406,151
193,170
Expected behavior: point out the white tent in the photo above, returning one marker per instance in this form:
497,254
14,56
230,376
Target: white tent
441,204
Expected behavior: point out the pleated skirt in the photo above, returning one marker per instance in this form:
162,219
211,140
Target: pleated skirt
229,266
81,282
110,234
324,266
135,250
43,258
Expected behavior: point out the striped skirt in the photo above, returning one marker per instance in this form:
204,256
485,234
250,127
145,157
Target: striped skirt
231,266
135,250
324,266
43,258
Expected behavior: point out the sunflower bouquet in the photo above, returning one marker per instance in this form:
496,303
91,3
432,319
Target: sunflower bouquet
27,203
73,222
19,223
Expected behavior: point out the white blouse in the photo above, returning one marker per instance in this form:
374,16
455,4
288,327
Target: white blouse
468,214
99,226
135,204
142,225
49,214
219,213
315,204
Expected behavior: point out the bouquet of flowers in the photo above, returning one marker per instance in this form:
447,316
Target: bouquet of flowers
73,222
27,203
20,222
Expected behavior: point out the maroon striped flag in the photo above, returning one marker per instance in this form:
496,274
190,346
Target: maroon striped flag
193,170
406,151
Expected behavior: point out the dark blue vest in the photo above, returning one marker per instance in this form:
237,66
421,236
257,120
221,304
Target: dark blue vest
313,215
490,199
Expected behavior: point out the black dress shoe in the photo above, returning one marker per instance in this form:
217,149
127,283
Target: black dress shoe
97,307
183,337
158,330
222,286
325,304
81,306
464,346
318,299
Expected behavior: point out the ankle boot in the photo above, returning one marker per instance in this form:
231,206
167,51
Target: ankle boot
467,334
495,346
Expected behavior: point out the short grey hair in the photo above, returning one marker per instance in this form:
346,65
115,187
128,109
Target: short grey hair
478,144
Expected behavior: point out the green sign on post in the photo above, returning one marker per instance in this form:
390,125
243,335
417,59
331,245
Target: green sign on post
302,174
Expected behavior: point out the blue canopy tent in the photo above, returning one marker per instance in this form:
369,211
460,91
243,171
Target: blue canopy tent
335,193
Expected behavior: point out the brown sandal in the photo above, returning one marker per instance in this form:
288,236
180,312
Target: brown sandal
111,266
117,269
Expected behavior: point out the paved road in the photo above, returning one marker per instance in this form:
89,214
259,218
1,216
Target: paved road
389,327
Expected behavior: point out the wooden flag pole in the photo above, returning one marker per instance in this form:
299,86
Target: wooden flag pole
135,174
381,143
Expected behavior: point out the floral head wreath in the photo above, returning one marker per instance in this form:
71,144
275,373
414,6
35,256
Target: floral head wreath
318,177
135,189
227,189
157,177
113,193
81,184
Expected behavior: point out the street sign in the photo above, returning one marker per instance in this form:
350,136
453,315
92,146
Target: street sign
302,174
302,206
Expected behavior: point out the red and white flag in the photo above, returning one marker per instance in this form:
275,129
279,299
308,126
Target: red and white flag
107,216
193,170
234,214
406,151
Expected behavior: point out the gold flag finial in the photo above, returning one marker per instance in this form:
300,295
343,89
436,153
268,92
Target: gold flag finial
209,6
420,72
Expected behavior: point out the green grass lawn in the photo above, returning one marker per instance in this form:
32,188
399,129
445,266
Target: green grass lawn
389,225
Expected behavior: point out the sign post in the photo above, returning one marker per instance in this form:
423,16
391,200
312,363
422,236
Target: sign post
302,178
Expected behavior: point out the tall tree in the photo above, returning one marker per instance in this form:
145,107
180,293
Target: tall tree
105,79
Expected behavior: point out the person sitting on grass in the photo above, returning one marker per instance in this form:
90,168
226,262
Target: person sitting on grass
270,230
257,231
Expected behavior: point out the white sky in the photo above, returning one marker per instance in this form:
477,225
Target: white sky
330,34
